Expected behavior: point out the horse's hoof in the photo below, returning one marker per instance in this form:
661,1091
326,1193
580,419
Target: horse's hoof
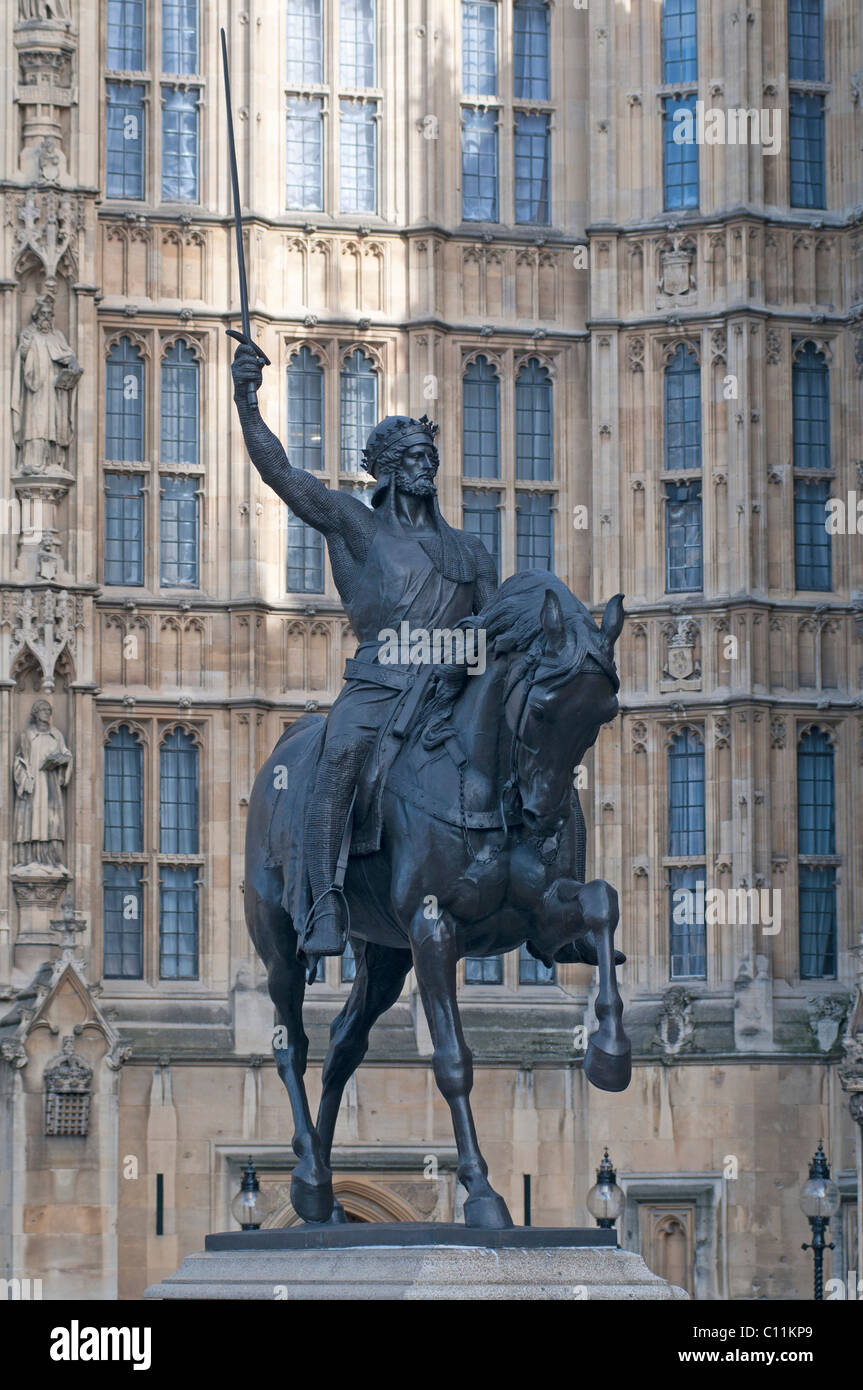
338,1217
608,1071
312,1201
490,1212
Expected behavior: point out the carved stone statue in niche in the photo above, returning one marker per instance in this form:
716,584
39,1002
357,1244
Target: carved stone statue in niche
43,9
42,768
44,378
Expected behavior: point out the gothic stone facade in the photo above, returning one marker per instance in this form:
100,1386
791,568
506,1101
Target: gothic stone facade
153,611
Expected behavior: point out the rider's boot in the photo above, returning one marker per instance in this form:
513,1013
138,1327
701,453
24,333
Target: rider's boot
326,931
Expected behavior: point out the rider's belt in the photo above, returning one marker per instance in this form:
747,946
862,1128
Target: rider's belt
376,675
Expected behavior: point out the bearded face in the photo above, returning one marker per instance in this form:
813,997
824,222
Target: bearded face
415,471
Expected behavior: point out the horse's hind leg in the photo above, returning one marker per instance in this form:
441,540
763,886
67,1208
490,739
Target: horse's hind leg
608,1060
381,972
273,933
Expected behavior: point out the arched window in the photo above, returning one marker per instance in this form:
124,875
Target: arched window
179,404
683,410
816,842
480,420
124,403
533,423
178,794
122,890
305,445
178,835
358,408
530,50
123,793
810,395
679,41
686,840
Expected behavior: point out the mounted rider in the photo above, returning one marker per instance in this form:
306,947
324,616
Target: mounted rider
396,561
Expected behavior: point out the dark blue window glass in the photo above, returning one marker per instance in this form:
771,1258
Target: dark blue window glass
180,144
687,935
680,154
124,404
359,146
532,157
357,43
686,794
533,428
305,42
178,794
125,31
305,558
180,36
813,556
123,793
358,409
810,402
483,970
124,125
534,532
479,47
683,410
305,446
349,964
479,166
124,528
530,50
806,150
816,836
178,533
481,513
179,405
305,155
480,437
122,922
178,923
679,41
683,537
532,971
805,40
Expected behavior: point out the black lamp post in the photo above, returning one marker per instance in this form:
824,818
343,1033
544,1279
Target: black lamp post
605,1199
819,1202
251,1205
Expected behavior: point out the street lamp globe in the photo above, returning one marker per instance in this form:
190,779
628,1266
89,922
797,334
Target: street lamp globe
605,1199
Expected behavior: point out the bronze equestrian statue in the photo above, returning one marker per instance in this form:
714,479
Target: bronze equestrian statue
433,814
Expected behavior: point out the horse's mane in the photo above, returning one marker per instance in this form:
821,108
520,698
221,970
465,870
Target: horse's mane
511,622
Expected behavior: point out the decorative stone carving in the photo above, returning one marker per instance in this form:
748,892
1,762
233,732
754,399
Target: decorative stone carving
777,731
635,354
47,228
677,269
43,9
675,1026
41,770
67,1083
826,1014
753,1004
45,375
774,347
682,669
44,624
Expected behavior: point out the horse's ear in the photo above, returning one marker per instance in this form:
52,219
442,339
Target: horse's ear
553,626
612,619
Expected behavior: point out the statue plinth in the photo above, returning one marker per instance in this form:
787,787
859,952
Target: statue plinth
414,1262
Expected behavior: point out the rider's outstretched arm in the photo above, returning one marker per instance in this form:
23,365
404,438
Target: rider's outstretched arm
307,496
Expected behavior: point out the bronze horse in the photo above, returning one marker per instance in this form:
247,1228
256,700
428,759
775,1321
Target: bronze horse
481,850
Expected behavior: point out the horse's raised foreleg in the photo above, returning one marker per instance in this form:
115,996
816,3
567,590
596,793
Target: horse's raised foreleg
381,972
434,946
608,1060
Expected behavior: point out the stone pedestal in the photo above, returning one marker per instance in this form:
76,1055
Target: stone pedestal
406,1261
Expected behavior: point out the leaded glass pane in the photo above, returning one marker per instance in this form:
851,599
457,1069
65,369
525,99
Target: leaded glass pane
810,405
124,129
680,154
122,922
532,142
533,432
813,555
124,528
679,41
178,794
479,174
305,155
305,62
479,47
178,923
480,420
483,970
305,445
359,142
530,50
357,43
358,408
805,40
686,795
532,971
683,537
178,533
688,937
806,150
180,144
683,410
123,793
124,404
125,33
180,36
179,406
534,532
817,914
481,517
305,550
816,794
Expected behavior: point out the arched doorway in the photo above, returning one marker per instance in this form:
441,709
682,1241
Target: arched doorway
362,1201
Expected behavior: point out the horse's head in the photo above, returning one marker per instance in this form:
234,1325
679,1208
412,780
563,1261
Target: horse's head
559,694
